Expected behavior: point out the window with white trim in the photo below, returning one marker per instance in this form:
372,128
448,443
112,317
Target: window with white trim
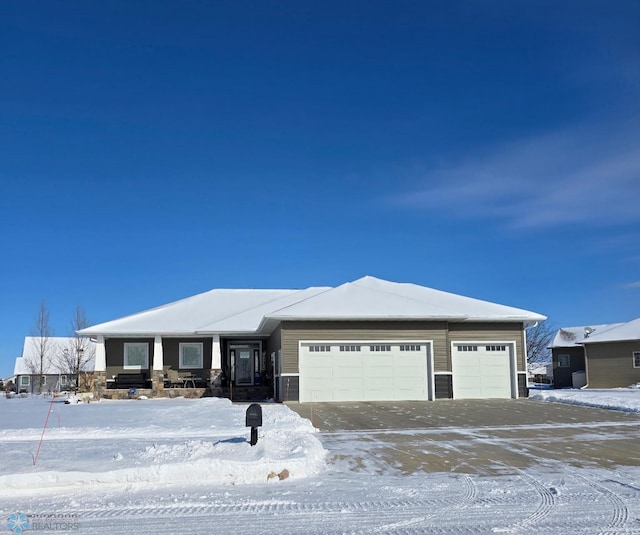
380,348
467,348
136,356
25,380
410,347
636,359
191,355
319,349
496,348
564,361
350,348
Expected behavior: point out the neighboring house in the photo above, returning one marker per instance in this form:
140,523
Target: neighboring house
369,339
609,355
56,374
541,373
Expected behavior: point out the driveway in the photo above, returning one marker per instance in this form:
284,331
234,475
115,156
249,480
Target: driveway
484,437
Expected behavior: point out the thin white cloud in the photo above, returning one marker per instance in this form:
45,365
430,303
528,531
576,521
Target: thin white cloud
584,176
635,284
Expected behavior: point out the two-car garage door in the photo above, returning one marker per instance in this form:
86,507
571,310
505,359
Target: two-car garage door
381,371
359,371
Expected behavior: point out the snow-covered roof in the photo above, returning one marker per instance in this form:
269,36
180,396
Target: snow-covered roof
228,311
217,311
377,299
620,332
55,348
574,336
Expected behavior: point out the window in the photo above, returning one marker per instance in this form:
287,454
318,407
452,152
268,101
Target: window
25,380
349,348
319,349
467,348
410,347
496,348
636,359
564,361
380,348
136,355
191,355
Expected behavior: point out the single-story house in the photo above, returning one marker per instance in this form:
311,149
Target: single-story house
608,355
56,369
369,339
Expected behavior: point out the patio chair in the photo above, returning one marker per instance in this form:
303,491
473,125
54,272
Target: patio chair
174,378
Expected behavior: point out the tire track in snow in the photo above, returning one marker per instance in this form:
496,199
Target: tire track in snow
260,508
620,513
547,503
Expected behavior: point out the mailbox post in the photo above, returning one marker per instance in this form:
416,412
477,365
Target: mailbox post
254,420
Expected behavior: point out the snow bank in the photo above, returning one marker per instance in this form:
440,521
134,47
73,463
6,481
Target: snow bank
622,399
152,442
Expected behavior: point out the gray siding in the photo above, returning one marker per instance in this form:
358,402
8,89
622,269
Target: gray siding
610,365
443,386
274,342
295,331
171,354
290,388
481,332
523,389
563,376
440,333
114,348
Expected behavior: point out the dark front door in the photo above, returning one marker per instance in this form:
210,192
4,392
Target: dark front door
244,366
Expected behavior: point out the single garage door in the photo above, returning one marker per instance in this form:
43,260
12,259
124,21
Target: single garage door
481,370
375,371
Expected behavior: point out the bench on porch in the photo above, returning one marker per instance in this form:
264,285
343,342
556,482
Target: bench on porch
130,380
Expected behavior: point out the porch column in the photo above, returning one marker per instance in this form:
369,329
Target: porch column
100,363
99,367
158,357
216,361
157,380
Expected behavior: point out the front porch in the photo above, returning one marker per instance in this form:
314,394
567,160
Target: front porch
239,394
159,366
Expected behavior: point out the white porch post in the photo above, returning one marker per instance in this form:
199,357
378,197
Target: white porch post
158,357
100,363
216,356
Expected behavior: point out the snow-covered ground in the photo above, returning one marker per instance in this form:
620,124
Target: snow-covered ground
622,399
186,466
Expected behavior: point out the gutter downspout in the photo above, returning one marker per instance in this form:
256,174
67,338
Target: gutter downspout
586,368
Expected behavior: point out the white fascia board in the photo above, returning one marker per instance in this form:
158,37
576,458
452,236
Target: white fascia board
496,319
365,318
140,334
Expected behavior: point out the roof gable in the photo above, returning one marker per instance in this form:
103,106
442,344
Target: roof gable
620,332
372,298
574,336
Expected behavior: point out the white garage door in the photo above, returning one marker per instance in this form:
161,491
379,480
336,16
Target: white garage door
481,370
375,371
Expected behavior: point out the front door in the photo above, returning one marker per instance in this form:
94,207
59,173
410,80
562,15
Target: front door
244,366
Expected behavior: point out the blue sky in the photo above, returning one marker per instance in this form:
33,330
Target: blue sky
152,150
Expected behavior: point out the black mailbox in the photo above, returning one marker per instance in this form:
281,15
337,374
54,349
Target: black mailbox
254,420
254,415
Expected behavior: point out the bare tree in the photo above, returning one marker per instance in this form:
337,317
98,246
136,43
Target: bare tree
79,350
41,333
539,338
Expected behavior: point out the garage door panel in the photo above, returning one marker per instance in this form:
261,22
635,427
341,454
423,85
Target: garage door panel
336,375
379,371
480,373
376,383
